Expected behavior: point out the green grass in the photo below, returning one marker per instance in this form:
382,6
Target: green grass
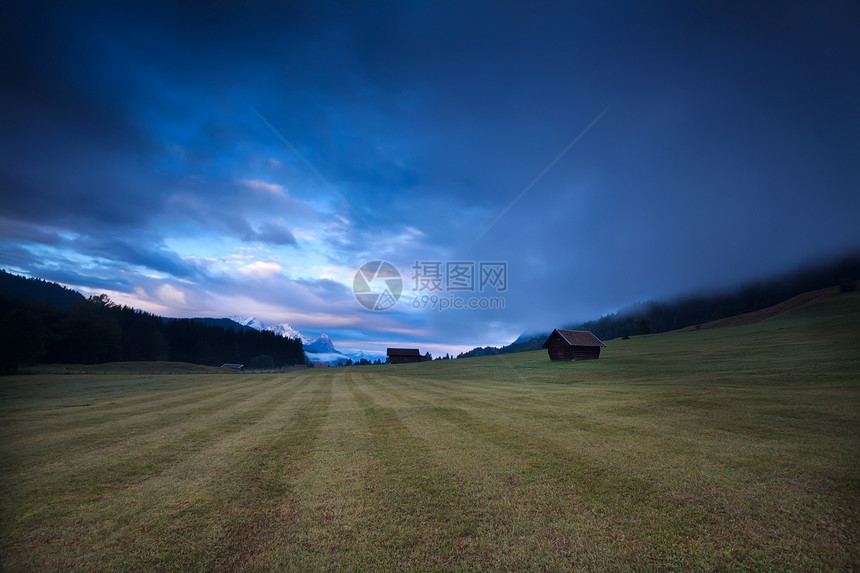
731,449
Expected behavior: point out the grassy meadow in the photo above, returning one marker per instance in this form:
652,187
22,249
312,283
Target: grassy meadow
729,449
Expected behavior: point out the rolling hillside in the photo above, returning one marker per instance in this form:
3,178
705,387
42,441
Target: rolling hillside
754,301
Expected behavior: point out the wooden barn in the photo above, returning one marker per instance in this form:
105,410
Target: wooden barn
403,355
572,345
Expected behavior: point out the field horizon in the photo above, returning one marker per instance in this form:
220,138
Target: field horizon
731,448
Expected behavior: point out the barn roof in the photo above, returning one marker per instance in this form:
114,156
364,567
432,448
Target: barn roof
403,352
575,338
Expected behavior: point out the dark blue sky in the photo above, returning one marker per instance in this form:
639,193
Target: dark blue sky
214,159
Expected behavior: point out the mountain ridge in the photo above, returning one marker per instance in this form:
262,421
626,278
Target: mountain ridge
694,311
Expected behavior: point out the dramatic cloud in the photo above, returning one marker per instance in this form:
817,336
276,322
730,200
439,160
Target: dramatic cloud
274,232
226,159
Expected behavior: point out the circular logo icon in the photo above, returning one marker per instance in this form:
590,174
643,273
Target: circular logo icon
377,285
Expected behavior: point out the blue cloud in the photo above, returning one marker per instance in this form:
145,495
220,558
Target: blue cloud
273,232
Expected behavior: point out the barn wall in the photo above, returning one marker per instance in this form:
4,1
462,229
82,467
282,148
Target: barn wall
403,359
559,350
585,352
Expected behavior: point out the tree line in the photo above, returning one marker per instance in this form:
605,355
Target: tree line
95,330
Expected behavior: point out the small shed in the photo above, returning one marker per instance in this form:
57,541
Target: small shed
572,345
229,366
403,355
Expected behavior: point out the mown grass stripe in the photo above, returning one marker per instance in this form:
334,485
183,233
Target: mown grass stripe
101,426
270,509
153,440
338,506
77,481
426,510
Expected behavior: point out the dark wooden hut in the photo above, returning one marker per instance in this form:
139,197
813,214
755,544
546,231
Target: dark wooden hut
572,345
403,355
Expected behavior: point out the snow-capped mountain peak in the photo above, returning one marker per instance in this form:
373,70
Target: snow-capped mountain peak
287,331
250,322
284,329
321,344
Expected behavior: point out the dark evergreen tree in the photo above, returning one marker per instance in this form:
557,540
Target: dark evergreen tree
23,336
263,362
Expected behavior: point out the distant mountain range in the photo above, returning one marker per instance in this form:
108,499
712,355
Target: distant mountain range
284,329
320,350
